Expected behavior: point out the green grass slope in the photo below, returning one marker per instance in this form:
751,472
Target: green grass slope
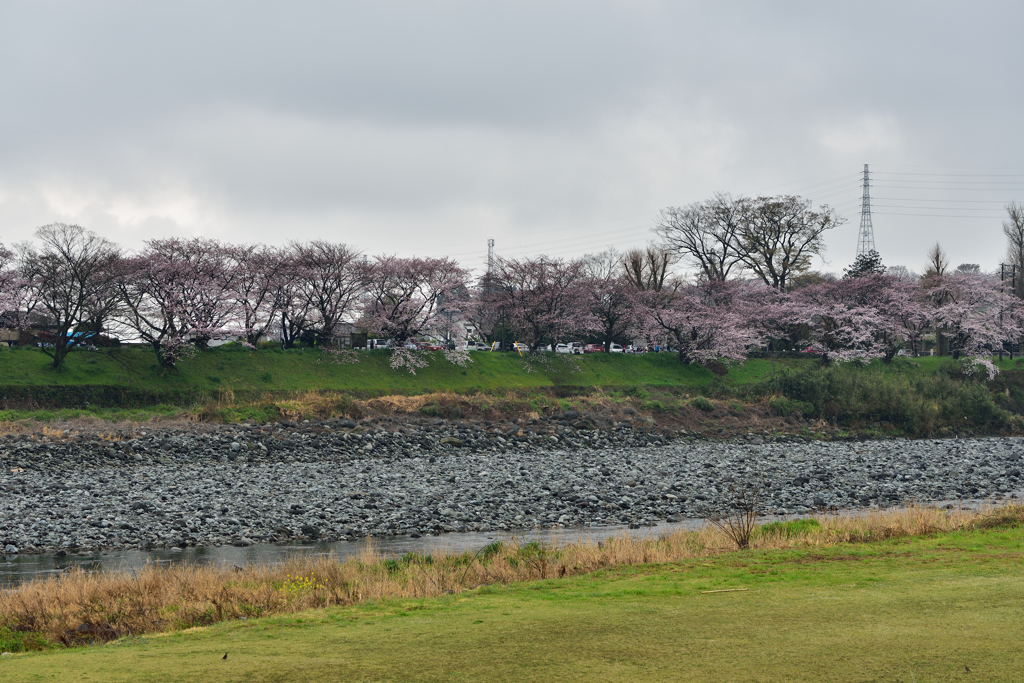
919,397
942,608
241,369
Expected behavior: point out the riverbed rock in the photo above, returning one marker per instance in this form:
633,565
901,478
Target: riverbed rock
345,480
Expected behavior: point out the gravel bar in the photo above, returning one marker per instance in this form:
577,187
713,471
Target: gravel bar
335,480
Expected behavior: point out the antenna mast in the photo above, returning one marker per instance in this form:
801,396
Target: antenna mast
490,256
866,236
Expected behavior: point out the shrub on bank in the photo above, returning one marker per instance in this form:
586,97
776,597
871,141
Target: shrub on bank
703,404
906,398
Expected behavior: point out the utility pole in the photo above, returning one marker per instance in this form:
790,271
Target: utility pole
866,236
490,256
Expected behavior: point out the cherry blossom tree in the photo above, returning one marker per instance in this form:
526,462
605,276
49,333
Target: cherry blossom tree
543,299
17,298
328,282
402,295
150,298
902,305
258,271
702,320
207,303
973,312
838,318
610,295
179,291
290,303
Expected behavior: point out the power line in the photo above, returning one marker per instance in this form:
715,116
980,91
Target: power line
959,201
950,189
929,215
801,187
938,208
957,175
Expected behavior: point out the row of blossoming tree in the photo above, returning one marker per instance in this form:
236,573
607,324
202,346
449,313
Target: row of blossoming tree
752,289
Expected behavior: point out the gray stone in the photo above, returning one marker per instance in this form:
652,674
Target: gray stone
188,480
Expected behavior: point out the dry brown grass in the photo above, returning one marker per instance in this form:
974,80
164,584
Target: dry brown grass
80,607
511,405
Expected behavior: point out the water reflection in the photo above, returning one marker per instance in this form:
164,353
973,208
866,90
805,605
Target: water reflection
17,568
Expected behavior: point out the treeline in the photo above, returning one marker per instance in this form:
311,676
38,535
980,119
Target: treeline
753,290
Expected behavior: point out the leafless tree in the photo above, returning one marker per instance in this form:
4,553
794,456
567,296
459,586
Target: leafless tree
705,234
71,274
1013,228
903,273
934,270
779,235
938,262
743,500
647,269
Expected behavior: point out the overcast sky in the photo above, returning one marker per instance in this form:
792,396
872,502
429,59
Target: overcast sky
553,127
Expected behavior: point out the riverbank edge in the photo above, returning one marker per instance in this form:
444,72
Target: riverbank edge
28,613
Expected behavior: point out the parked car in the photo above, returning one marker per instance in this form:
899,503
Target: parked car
433,347
616,348
593,348
376,344
521,348
571,347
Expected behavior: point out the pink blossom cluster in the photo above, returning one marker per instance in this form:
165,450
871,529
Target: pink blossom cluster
178,295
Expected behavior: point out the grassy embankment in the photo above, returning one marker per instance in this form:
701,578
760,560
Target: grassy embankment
817,605
926,396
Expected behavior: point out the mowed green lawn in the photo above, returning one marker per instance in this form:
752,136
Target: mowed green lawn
918,610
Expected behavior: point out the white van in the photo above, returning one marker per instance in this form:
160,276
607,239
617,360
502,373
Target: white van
571,347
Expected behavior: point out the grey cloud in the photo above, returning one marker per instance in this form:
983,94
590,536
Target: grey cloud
438,121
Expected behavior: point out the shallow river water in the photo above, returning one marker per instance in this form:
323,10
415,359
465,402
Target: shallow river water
17,568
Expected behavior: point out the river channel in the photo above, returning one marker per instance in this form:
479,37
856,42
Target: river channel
15,569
